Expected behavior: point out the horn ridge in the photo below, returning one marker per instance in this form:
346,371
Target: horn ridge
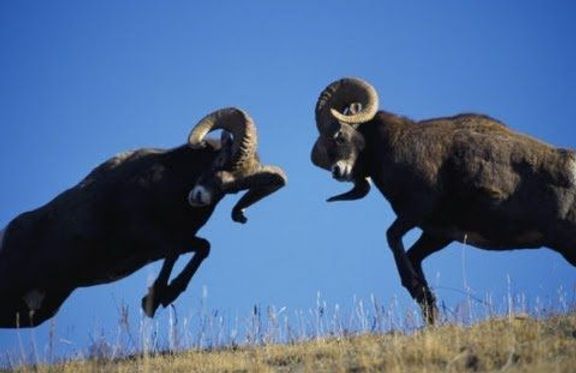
339,95
235,121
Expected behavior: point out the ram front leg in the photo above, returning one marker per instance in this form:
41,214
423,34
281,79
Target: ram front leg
151,301
160,290
411,278
259,185
422,248
180,283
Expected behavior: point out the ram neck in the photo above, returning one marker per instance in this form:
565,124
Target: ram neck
381,136
187,161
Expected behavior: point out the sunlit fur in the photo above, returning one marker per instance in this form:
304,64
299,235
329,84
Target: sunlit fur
573,169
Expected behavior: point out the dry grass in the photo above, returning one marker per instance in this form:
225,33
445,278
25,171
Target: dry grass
515,344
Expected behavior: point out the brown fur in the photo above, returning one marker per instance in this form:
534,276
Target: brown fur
466,178
129,211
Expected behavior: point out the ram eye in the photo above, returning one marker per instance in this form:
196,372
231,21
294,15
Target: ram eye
339,137
220,162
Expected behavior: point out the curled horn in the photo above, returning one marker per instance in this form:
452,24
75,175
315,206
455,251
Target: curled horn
360,190
235,121
339,95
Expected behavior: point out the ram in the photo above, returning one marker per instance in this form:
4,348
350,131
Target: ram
136,208
466,178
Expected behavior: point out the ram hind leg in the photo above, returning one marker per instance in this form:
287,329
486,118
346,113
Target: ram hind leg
32,309
570,256
562,237
14,313
570,250
51,302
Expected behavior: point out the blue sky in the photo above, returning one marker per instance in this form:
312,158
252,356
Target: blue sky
81,81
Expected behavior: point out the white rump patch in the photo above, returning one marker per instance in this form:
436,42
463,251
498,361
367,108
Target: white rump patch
34,299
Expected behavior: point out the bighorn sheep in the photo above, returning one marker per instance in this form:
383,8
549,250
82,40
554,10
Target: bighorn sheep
465,178
133,209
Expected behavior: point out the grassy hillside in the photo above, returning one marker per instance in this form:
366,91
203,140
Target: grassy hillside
514,344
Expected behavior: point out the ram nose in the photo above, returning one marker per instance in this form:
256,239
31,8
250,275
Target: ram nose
199,196
337,172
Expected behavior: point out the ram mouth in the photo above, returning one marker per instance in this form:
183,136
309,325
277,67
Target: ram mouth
343,171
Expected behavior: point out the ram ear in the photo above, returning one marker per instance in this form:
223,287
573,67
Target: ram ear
353,109
224,151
